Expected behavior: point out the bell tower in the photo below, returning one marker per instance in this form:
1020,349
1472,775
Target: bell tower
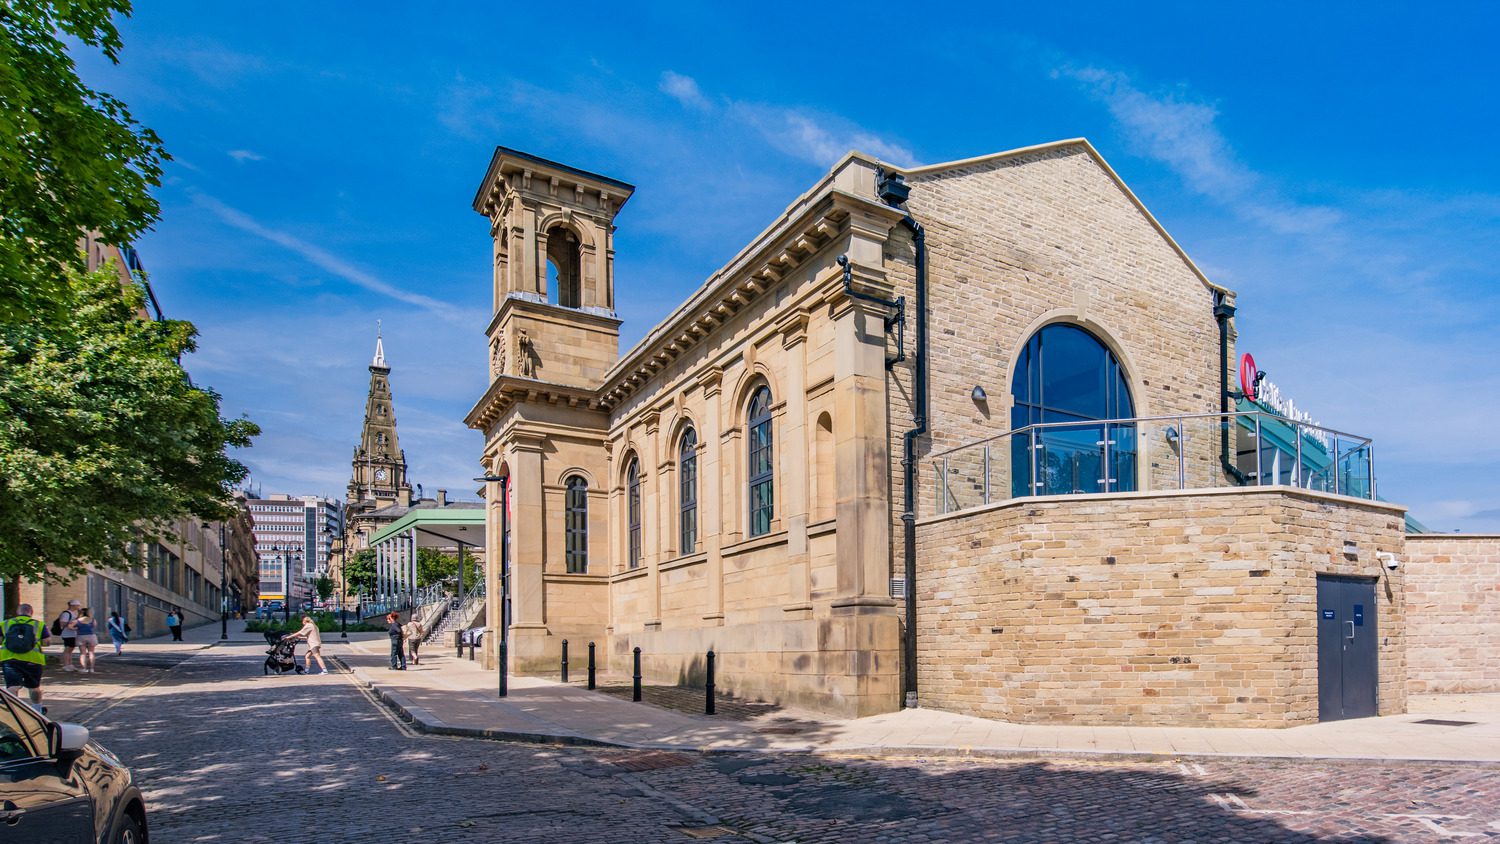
379,471
554,292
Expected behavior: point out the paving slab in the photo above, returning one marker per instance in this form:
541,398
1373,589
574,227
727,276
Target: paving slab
449,695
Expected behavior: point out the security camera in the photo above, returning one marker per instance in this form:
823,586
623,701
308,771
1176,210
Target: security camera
1389,559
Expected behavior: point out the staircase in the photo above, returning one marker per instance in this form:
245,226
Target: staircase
459,615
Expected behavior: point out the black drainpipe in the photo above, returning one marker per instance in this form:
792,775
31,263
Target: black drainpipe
1222,312
893,191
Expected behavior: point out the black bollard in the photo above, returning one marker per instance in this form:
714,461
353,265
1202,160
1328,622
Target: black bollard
635,693
708,702
565,661
504,687
591,666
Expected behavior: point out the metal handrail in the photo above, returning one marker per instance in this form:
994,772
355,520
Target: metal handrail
1334,469
1134,420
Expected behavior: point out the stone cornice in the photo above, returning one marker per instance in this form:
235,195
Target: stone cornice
780,250
506,391
548,311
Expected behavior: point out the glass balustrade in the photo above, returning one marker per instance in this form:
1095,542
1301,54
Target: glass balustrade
1164,453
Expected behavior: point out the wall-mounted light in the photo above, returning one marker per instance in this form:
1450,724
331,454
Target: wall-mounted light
978,394
1172,435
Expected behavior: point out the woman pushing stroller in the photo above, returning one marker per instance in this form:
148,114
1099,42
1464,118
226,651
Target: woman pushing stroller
314,638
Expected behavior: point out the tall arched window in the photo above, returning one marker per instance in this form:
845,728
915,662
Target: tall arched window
1066,378
762,471
576,542
687,487
633,505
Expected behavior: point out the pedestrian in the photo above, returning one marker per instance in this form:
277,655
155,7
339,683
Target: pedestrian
413,633
119,631
21,659
66,627
314,638
398,653
88,640
174,624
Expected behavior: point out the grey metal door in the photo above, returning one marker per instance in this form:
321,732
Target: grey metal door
1347,648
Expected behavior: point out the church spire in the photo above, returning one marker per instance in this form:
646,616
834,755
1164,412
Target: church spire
379,470
379,361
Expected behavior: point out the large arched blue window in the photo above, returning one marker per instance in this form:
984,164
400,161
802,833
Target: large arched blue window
1066,380
633,506
576,544
762,473
687,491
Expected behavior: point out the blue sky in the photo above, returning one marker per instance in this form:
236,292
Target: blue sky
1334,165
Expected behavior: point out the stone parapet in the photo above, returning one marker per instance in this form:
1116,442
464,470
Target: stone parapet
1194,608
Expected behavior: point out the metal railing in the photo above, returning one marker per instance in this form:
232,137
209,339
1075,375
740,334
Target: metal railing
1159,453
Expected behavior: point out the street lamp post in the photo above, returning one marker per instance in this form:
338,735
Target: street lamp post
223,588
338,550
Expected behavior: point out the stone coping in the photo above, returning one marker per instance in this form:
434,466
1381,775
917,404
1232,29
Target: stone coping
1092,497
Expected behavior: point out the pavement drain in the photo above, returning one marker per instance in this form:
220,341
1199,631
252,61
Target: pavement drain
1438,722
706,831
654,761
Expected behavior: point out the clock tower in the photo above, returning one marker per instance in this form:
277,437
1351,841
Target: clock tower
379,476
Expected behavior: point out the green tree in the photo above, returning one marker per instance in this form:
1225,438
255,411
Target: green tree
324,585
434,566
103,437
359,572
72,159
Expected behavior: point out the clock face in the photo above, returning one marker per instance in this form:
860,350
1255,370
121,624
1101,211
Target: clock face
379,474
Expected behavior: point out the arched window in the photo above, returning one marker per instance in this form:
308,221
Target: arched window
1066,378
687,488
564,279
633,504
762,471
577,525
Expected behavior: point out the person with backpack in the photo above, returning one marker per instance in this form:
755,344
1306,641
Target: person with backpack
21,660
65,625
119,631
174,624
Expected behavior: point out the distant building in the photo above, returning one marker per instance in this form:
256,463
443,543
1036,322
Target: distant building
378,479
183,571
294,539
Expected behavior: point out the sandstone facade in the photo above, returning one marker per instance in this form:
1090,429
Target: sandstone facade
1453,596
601,460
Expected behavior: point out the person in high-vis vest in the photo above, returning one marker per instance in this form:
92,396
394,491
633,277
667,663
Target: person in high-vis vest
21,658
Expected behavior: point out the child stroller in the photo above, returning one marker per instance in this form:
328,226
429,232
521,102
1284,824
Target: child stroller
282,657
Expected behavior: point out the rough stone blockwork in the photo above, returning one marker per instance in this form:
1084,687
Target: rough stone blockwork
1190,609
1453,590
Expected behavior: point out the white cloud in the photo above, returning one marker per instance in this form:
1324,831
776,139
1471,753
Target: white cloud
1181,134
331,263
817,139
243,155
684,89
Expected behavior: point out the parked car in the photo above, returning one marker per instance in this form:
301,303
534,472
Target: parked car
56,785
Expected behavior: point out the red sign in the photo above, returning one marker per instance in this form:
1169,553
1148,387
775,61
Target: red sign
1247,375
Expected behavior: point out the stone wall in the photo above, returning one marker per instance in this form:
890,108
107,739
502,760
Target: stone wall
1452,586
1165,608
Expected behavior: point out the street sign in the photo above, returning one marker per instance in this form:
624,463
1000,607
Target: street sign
1247,375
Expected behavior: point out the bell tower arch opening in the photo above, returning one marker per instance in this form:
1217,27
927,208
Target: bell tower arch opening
564,268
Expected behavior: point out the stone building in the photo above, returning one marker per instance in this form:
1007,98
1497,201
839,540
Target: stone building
378,484
185,568
959,435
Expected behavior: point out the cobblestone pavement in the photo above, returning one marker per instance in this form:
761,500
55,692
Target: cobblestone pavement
225,754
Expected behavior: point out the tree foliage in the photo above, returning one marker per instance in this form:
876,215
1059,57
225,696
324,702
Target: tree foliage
360,573
324,586
72,159
434,566
102,435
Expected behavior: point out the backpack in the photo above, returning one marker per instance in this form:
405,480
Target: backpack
57,626
20,635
